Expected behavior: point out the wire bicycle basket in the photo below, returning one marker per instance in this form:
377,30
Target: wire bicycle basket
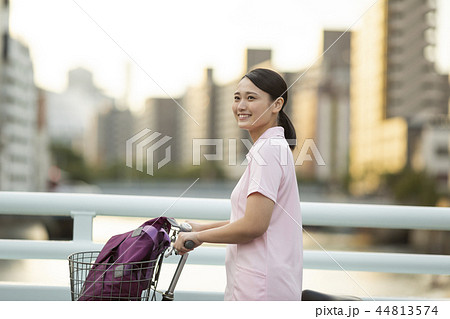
111,281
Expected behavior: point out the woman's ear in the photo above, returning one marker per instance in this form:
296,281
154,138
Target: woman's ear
278,105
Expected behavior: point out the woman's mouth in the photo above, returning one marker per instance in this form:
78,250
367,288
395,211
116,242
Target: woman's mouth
243,116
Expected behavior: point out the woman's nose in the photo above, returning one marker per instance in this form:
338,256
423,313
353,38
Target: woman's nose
242,105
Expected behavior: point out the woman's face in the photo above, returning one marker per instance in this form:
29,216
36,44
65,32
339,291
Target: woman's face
253,108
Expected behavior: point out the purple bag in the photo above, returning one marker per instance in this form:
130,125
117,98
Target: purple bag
126,264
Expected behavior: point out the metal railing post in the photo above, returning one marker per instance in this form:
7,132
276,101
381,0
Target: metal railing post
82,225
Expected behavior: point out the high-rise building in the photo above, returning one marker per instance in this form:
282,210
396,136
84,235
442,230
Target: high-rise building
319,106
414,90
413,86
72,114
114,128
161,115
394,88
42,159
303,110
333,114
23,147
228,131
197,120
432,153
4,30
255,58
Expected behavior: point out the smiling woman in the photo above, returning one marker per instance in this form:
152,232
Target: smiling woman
264,234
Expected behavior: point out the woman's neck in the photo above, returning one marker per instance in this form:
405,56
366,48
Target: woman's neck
257,132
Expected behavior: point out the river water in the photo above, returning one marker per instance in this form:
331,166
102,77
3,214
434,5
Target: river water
212,278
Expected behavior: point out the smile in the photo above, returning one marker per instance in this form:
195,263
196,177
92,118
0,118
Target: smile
244,116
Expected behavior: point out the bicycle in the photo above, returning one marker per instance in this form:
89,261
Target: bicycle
145,274
312,295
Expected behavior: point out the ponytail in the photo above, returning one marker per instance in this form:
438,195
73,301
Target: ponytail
289,130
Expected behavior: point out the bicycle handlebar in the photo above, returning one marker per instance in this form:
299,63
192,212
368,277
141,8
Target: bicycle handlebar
185,227
189,244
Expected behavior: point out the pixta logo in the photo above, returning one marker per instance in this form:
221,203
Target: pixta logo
146,147
303,155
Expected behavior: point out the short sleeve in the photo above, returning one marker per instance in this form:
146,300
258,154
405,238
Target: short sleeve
265,171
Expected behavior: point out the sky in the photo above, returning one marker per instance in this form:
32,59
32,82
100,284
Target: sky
168,44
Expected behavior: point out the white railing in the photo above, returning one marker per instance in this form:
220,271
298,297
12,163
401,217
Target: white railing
84,207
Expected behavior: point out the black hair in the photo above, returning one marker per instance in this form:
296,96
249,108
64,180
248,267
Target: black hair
273,83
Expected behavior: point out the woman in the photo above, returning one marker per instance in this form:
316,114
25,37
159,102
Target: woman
264,256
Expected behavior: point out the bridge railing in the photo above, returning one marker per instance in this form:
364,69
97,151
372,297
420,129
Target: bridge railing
84,207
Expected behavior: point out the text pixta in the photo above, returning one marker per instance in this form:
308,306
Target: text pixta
337,311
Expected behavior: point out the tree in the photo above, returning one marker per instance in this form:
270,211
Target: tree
72,163
411,187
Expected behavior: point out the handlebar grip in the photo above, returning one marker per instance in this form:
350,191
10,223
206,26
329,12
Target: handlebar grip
189,244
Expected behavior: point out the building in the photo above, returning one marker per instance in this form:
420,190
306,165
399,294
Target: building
23,146
432,153
333,114
162,115
197,120
319,108
114,128
394,88
42,160
302,105
72,114
228,131
255,58
413,86
414,90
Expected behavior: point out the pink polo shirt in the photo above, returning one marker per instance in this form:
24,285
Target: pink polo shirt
269,267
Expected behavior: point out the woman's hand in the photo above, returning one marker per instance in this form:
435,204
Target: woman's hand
182,238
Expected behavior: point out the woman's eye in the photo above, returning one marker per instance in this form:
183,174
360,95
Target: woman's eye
236,98
251,97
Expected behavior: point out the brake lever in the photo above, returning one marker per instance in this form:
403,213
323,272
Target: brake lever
183,227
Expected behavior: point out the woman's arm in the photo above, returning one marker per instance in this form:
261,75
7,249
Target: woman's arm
196,227
254,224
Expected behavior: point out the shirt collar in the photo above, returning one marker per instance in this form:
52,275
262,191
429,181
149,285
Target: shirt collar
276,131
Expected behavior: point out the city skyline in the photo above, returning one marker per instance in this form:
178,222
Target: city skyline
190,49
